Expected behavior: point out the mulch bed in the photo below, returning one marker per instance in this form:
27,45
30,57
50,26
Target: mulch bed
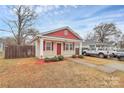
41,61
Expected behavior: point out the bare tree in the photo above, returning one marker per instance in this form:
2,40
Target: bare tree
121,42
9,41
23,19
30,35
104,31
90,37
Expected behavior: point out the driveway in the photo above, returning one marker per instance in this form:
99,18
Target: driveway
117,66
108,68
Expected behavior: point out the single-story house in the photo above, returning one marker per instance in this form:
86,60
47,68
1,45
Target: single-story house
62,41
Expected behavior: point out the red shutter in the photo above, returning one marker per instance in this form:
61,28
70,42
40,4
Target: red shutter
63,45
44,45
52,45
73,45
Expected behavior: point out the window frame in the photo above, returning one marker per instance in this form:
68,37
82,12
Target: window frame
71,46
48,46
68,46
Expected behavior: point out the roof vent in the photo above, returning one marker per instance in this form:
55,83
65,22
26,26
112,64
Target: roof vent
65,32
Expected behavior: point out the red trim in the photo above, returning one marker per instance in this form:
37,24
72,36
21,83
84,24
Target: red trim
44,44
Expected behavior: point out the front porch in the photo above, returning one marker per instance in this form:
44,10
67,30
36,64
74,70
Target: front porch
54,46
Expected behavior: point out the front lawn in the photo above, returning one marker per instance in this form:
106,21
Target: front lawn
26,73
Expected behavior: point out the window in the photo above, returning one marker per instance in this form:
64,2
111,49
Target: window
48,45
71,46
92,46
66,46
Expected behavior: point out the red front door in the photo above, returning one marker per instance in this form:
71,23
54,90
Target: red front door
58,49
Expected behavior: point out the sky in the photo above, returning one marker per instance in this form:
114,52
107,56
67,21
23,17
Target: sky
82,19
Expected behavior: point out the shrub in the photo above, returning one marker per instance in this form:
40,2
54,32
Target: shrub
47,59
60,58
80,56
54,59
74,56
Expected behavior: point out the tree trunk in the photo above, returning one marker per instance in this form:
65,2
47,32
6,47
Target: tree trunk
18,41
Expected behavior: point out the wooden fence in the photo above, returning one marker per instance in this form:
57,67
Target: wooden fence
19,51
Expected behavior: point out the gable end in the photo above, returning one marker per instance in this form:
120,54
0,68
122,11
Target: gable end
63,33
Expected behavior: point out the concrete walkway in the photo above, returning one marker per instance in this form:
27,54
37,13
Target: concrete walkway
117,66
104,68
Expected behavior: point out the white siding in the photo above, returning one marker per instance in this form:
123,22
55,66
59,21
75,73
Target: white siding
51,53
1,47
64,53
68,53
39,48
39,52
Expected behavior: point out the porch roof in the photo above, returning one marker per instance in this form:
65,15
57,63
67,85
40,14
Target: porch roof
60,39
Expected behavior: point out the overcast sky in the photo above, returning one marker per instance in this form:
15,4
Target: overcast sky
81,19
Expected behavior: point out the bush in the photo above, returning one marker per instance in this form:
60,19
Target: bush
74,56
47,59
60,58
80,56
54,59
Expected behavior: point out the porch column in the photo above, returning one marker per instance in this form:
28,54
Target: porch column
80,48
36,48
41,48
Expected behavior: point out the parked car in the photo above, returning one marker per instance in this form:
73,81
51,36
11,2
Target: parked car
99,52
120,54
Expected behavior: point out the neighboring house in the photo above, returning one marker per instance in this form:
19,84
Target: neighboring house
63,41
1,46
93,45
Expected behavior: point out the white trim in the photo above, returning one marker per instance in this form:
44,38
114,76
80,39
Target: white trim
50,45
55,30
58,42
69,46
80,48
41,47
60,39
